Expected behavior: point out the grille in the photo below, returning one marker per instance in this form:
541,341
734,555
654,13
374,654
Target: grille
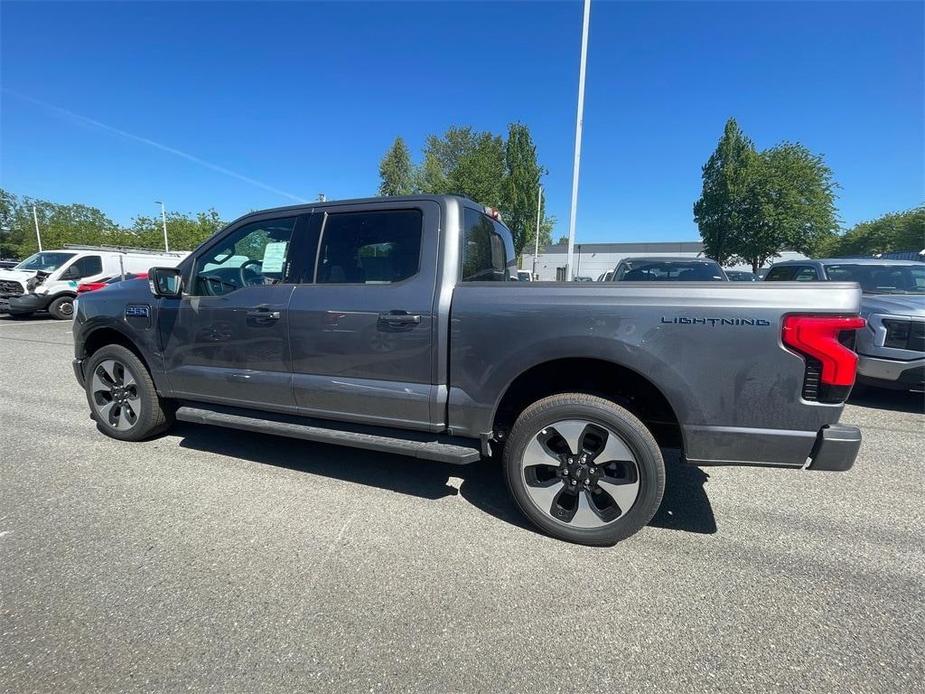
10,288
904,334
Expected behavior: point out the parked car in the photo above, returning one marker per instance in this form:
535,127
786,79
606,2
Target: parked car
665,269
524,276
582,278
85,287
6,264
741,276
47,281
388,324
892,348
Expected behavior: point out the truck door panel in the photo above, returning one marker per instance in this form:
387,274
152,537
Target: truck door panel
361,333
226,339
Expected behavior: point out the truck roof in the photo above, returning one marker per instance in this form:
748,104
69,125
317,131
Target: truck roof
303,207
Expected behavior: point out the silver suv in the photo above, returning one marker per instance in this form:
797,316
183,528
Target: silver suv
892,348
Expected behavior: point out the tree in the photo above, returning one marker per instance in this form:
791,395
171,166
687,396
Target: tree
790,204
755,204
896,231
499,173
563,241
395,170
720,211
520,185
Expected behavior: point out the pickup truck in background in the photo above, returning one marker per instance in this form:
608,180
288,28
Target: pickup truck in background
891,348
393,325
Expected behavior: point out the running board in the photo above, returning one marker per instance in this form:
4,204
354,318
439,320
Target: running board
441,448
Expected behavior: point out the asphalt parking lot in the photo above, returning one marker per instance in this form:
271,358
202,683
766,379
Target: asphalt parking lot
210,559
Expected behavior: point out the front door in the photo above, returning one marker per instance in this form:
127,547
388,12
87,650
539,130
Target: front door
362,321
226,339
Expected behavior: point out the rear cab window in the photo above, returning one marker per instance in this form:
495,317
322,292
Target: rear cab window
488,250
792,273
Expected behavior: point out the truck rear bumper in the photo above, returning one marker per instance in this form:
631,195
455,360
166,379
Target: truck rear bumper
833,447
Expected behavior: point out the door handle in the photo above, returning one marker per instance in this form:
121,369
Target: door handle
399,318
263,314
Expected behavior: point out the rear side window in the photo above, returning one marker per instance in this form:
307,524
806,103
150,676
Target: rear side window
88,266
487,256
378,247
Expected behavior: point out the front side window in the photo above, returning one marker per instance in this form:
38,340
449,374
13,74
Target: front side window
88,266
805,274
377,247
485,254
255,254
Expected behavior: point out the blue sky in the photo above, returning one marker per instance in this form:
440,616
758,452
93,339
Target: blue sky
306,97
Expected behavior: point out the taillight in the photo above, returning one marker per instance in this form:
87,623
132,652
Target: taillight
831,366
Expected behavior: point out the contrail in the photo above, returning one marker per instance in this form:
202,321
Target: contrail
156,145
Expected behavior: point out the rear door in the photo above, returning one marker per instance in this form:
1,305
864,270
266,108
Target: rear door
362,319
226,339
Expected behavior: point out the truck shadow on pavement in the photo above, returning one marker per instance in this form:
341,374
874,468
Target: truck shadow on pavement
883,399
685,505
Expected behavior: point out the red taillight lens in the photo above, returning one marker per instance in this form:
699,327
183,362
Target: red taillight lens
817,337
89,287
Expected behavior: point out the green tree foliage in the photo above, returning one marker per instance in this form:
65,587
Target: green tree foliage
395,170
494,171
896,231
755,204
80,224
721,207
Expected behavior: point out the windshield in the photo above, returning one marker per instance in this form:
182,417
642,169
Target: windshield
45,262
881,279
672,271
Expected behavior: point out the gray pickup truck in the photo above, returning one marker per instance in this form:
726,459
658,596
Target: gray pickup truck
392,325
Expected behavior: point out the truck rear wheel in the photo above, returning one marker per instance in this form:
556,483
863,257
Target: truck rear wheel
584,469
62,308
122,396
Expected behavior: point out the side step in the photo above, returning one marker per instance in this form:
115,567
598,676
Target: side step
441,448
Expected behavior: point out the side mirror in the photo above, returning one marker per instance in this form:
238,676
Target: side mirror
165,281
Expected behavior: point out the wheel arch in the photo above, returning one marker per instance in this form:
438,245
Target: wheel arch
108,335
592,376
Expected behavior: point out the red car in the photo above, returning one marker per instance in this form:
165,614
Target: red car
99,284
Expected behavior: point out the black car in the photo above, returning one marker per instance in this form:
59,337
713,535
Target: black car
667,269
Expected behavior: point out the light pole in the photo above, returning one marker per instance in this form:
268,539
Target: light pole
578,124
164,222
38,235
539,207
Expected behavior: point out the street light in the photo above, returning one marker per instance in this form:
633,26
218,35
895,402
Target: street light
578,125
164,221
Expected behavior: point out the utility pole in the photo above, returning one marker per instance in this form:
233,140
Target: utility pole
539,208
164,222
578,125
321,197
38,235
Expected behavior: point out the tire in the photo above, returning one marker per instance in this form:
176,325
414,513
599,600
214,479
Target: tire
62,308
122,397
570,491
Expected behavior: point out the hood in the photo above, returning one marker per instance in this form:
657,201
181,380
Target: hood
894,304
17,275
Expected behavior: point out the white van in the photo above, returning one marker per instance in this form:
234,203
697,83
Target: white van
47,280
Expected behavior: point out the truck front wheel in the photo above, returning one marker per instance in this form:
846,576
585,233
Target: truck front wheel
122,396
584,469
62,308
